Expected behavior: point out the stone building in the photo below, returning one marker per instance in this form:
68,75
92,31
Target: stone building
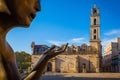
111,60
78,59
38,49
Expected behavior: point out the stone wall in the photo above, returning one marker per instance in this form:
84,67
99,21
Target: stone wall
72,63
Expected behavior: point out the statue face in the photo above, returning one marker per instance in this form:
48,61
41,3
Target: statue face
23,11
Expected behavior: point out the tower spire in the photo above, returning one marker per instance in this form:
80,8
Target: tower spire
94,5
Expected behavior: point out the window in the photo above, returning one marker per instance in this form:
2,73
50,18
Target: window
94,21
36,51
94,36
94,30
94,11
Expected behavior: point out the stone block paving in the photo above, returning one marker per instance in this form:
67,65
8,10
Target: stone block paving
81,76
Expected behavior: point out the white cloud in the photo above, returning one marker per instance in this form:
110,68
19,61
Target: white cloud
77,40
110,36
58,43
107,41
71,41
112,32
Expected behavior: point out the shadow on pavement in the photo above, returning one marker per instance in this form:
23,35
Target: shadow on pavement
62,77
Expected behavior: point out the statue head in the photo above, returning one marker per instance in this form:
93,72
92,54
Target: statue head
21,12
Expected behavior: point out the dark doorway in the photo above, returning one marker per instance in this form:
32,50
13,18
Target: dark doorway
84,68
49,67
84,65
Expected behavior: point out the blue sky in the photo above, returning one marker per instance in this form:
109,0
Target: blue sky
62,21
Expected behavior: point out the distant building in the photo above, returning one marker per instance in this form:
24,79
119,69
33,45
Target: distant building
111,60
38,49
84,58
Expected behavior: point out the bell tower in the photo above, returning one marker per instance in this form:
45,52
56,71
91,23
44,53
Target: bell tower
95,42
95,29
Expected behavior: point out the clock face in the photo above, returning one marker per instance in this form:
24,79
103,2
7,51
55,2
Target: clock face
94,11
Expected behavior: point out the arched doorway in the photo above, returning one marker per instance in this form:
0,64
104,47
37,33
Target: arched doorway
49,67
84,68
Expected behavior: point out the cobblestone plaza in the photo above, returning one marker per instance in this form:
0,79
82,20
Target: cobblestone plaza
81,76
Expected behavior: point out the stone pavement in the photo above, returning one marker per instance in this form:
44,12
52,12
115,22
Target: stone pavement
81,76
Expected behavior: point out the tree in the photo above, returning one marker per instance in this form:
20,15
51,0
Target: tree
23,60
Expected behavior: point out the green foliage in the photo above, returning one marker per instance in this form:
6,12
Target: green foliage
23,60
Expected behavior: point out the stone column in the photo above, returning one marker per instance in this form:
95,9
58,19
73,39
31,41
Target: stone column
53,67
77,64
98,64
89,64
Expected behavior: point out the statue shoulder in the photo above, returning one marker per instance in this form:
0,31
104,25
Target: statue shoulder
8,53
2,70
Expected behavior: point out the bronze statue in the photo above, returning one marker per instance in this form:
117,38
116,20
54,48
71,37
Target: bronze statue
20,13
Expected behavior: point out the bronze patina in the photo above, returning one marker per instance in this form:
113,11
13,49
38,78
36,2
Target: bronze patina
15,13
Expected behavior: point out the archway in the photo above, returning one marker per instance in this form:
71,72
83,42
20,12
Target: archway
84,68
49,67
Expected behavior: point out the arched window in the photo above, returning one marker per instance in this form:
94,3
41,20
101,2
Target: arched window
94,11
94,37
94,30
94,21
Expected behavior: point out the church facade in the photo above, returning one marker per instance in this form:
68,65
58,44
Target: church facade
79,59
